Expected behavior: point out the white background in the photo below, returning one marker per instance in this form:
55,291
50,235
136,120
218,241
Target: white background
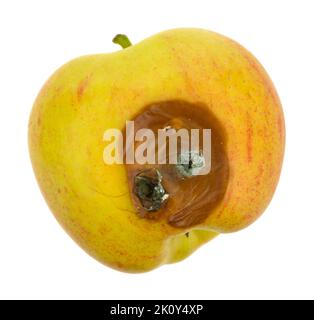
273,258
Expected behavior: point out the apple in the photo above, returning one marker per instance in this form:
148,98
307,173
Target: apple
136,217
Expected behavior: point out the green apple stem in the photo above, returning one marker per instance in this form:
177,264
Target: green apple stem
122,40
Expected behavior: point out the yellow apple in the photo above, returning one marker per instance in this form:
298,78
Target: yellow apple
93,201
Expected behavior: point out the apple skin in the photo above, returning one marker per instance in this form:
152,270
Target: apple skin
90,94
